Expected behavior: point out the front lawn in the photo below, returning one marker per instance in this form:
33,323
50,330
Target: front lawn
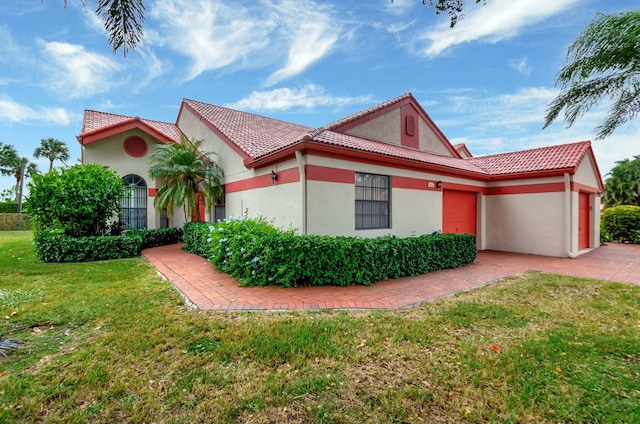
110,342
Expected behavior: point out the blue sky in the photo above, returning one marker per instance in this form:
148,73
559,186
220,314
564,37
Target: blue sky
486,83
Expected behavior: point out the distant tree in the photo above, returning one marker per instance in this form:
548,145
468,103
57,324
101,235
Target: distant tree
601,63
8,195
52,149
623,185
189,176
19,167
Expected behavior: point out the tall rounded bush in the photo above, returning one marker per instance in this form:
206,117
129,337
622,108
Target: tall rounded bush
79,201
621,223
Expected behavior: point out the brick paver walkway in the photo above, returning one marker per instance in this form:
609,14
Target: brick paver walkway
209,289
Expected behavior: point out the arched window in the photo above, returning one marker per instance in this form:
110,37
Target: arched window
134,203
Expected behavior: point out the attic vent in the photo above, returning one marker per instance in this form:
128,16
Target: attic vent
135,146
411,126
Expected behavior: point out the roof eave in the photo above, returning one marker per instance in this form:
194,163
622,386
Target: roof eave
120,127
353,154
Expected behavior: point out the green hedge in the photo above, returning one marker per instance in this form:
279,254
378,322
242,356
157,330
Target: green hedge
62,248
8,207
55,247
621,224
195,238
157,237
256,253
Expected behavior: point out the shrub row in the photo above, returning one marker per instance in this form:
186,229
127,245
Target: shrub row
56,247
195,238
256,253
8,207
621,224
158,237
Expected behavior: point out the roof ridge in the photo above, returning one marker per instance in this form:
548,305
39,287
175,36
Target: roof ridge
365,112
574,143
246,113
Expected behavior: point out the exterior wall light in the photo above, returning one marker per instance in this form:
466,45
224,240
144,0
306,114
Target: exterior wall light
439,184
274,176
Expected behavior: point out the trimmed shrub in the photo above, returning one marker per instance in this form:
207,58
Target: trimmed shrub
80,200
256,253
621,224
195,238
52,247
8,207
157,237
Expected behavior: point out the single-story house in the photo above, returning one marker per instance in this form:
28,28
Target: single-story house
385,170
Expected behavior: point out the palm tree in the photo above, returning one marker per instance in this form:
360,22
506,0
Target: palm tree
623,185
601,63
52,149
189,176
12,164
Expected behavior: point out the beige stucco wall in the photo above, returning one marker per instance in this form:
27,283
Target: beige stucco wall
227,158
386,128
430,142
331,206
585,174
526,223
110,152
280,202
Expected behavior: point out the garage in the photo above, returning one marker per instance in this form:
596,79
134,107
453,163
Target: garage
459,211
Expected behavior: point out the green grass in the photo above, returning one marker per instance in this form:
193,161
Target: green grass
111,342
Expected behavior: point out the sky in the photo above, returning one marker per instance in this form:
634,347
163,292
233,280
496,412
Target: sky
486,83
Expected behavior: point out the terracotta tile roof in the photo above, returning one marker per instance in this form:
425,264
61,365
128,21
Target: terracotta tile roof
96,121
393,150
257,136
564,156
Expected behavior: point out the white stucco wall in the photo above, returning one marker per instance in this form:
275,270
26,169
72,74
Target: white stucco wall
526,223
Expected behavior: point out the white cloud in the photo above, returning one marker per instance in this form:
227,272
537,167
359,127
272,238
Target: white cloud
14,112
311,31
210,33
497,21
214,35
521,66
75,72
281,99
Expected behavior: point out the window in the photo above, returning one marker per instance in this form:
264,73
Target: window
372,201
219,210
164,218
134,203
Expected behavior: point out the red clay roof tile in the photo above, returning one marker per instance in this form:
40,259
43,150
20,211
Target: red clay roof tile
256,135
95,121
259,137
564,156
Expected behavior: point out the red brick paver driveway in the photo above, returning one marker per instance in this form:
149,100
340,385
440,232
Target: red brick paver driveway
209,289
